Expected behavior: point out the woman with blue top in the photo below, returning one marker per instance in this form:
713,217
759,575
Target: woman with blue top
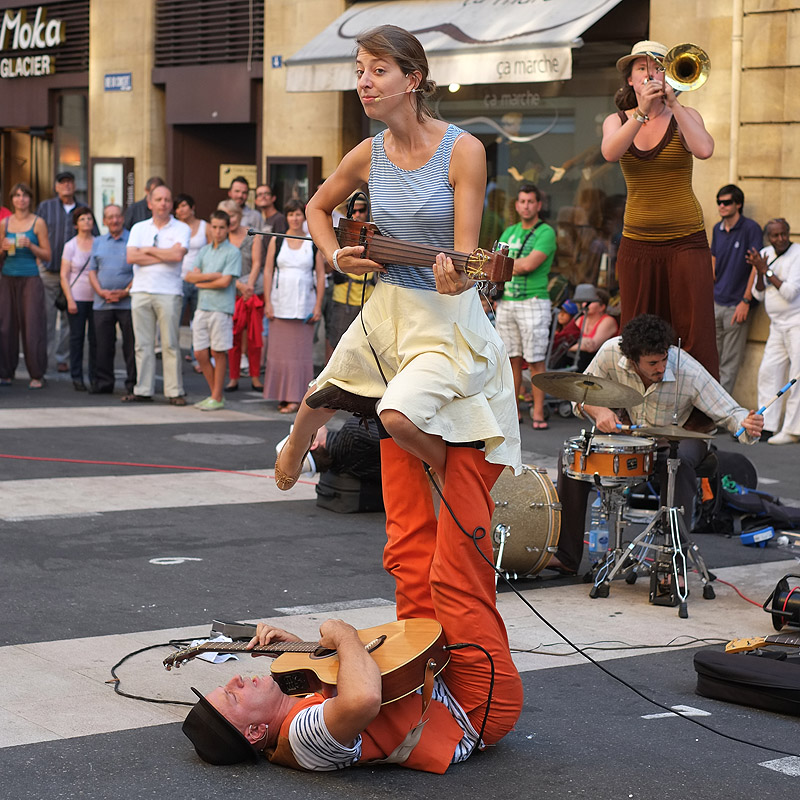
22,310
423,344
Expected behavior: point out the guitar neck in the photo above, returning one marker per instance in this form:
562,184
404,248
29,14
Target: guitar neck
274,649
479,265
756,642
785,639
385,250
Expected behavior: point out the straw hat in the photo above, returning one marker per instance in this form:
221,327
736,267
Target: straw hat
645,48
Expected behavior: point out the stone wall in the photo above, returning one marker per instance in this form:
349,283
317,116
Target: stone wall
748,107
125,124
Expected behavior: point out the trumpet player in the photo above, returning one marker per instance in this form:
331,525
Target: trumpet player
664,262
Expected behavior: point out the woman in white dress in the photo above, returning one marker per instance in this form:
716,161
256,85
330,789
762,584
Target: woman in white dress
295,276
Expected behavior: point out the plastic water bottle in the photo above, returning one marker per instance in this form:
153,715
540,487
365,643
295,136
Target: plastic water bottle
598,532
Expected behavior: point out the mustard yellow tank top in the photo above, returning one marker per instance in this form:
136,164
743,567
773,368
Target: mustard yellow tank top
661,204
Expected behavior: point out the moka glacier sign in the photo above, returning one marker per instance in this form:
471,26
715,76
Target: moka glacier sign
20,34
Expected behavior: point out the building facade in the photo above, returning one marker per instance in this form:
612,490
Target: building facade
201,92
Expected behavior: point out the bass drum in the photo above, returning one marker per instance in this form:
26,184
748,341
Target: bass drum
526,521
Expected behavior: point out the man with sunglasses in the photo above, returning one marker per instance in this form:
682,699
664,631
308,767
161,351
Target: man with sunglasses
733,237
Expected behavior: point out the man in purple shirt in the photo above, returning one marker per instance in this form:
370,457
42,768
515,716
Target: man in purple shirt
732,238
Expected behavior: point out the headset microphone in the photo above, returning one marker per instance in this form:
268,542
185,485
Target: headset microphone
386,97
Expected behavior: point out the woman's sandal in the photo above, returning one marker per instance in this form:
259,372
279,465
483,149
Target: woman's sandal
283,480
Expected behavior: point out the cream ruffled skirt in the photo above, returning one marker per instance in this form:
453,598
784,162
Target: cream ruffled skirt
446,367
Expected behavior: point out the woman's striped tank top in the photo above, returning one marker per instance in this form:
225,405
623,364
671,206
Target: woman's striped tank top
413,205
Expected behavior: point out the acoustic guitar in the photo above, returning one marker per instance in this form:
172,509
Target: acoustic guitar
755,642
480,264
403,651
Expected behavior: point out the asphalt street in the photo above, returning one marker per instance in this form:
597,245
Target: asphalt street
117,532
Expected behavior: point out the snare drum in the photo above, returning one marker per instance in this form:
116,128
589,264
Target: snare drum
616,459
526,520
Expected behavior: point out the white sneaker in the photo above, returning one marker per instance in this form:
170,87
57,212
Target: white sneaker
783,438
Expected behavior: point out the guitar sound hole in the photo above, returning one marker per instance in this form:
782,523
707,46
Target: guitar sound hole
322,652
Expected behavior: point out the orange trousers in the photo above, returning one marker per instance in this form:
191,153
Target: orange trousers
440,574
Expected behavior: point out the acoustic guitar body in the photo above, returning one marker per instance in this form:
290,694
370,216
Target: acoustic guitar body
401,656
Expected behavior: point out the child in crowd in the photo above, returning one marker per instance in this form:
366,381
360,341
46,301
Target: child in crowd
218,265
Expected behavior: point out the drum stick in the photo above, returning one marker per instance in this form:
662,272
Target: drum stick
763,408
677,381
622,427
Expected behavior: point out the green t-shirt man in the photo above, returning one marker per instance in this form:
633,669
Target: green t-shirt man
521,242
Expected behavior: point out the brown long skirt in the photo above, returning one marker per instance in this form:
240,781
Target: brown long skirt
22,313
673,280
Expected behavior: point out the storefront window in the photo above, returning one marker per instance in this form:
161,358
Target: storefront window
72,140
548,135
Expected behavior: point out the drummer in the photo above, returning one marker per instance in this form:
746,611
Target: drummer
645,359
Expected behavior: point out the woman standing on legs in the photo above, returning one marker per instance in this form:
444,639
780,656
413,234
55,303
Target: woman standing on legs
423,344
294,286
80,295
248,316
22,311
664,262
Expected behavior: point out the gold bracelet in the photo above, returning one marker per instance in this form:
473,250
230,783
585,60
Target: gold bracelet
640,116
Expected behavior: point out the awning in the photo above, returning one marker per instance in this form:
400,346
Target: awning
467,41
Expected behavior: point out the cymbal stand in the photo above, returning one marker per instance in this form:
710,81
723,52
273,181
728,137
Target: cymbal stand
668,573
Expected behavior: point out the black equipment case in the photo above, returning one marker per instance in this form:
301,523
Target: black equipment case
760,679
346,494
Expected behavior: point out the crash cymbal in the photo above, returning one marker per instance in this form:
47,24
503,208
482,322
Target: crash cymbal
671,432
580,388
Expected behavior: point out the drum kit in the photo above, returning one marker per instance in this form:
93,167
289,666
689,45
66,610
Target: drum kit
527,519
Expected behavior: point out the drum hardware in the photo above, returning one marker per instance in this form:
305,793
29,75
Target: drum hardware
668,574
677,373
583,388
611,459
526,522
671,432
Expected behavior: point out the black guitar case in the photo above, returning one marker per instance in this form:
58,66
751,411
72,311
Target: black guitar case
761,679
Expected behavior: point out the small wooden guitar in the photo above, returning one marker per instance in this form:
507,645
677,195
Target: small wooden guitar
402,650
479,265
755,642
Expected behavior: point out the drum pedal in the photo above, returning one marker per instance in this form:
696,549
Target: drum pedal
663,591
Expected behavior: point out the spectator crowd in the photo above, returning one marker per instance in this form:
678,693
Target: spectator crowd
64,286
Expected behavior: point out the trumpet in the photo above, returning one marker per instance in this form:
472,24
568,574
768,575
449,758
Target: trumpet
686,67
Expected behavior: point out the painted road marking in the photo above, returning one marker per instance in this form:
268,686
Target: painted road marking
788,766
686,711
217,438
26,499
104,416
326,608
